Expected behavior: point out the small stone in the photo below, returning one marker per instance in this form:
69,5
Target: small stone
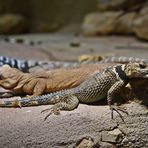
86,143
75,44
114,136
89,58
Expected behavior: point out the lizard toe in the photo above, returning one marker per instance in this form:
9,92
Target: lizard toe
117,109
52,110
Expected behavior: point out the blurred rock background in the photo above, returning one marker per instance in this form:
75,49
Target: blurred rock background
42,16
97,17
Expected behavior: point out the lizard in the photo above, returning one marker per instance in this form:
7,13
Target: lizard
51,80
26,65
38,83
105,83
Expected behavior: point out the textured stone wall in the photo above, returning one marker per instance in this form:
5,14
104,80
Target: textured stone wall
124,17
48,15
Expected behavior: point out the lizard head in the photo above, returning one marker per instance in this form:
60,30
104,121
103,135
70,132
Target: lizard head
9,77
136,70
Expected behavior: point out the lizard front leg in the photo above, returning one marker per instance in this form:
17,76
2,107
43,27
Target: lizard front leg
66,103
111,93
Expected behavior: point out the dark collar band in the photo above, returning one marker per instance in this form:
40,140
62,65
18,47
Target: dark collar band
121,73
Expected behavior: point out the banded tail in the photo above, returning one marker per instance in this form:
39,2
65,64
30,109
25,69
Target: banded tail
25,65
51,98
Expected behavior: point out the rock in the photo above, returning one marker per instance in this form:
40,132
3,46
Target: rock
12,24
125,23
114,136
102,23
140,25
86,143
89,58
119,4
143,11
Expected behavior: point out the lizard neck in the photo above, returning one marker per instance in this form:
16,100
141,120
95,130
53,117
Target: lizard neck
120,71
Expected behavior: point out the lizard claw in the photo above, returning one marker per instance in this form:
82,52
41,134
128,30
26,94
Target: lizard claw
52,110
117,109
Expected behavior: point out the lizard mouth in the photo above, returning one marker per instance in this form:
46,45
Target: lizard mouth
143,73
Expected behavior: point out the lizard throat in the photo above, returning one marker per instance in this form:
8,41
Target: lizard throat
120,72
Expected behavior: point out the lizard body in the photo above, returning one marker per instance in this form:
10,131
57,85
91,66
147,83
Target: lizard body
106,83
51,81
38,83
25,65
123,59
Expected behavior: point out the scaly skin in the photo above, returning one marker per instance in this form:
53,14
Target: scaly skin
123,60
106,83
26,65
45,82
50,81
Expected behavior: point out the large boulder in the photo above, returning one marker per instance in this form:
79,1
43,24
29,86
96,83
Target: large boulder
125,23
12,23
119,4
140,25
102,23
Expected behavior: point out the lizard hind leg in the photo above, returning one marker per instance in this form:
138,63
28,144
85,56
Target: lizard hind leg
66,103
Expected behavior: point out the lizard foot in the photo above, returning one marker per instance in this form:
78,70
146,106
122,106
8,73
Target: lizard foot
117,109
69,103
52,110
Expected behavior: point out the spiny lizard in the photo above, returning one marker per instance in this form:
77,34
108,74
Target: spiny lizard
106,83
38,83
25,65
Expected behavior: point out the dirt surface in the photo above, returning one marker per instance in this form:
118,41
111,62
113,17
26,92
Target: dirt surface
68,47
26,127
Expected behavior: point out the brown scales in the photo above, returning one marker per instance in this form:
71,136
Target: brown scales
38,83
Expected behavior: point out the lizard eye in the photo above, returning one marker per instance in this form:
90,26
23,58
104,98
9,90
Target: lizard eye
142,65
1,77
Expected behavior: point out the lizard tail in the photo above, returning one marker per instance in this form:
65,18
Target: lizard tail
19,103
9,103
32,101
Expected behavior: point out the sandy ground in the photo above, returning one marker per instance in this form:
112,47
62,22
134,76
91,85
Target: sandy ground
26,128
